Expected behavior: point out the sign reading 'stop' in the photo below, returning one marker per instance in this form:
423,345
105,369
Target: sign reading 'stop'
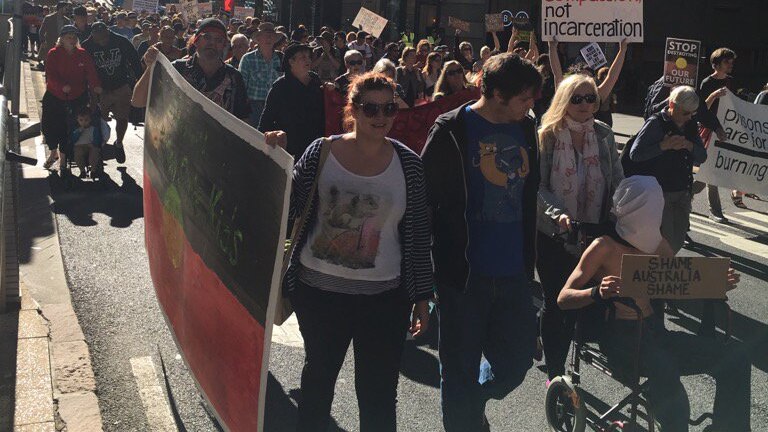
681,62
592,20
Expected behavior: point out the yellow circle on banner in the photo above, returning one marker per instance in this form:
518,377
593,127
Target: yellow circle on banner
681,63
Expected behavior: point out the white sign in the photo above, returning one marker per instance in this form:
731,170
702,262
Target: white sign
204,9
593,55
369,22
145,5
189,10
741,161
242,12
592,21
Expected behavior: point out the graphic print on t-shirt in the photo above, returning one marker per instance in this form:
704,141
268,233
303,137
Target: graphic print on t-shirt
350,228
503,163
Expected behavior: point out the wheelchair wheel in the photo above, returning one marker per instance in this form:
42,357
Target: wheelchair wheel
564,406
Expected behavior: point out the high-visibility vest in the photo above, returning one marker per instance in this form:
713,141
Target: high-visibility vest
408,39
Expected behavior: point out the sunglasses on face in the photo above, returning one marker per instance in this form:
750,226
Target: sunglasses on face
454,72
354,62
588,98
371,109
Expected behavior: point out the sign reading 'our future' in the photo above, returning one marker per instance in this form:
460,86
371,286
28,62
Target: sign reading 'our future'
592,21
681,62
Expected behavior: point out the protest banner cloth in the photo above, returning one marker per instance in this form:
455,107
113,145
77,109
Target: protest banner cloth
204,9
681,62
145,5
494,23
242,12
680,278
458,24
593,55
215,200
189,10
741,161
411,125
592,21
369,22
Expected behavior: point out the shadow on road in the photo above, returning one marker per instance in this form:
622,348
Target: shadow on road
78,200
280,411
418,364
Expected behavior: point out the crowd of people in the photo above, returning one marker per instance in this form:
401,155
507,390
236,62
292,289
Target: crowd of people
467,224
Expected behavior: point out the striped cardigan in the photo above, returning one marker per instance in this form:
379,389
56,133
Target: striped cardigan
414,227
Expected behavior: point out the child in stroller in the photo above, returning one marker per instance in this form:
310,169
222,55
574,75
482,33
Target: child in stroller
87,140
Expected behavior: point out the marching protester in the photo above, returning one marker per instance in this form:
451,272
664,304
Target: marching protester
462,52
239,46
70,75
667,147
386,67
482,172
118,65
452,80
409,77
80,18
205,70
361,264
580,170
121,26
146,32
431,72
49,30
163,42
665,355
260,69
295,102
358,44
355,64
326,62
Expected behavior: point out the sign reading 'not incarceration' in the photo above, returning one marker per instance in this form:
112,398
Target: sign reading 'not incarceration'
651,276
681,62
592,21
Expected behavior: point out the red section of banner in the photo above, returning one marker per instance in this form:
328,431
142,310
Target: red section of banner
411,125
221,341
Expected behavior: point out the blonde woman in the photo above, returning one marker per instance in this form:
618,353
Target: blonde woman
431,71
580,169
409,77
452,80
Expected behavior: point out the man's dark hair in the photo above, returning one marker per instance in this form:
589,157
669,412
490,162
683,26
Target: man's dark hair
720,55
510,75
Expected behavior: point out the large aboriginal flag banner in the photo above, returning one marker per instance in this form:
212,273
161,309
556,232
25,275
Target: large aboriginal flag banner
214,200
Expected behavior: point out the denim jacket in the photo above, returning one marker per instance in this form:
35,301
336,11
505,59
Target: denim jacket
550,205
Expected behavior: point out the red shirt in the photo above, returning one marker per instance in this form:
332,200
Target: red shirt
75,69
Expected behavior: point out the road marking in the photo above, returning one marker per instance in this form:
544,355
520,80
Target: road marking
760,217
747,245
747,223
155,403
708,230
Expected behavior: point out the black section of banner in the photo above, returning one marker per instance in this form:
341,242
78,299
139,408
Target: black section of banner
741,150
227,195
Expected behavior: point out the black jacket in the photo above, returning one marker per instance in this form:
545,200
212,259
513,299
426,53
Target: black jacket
658,99
296,109
445,169
118,62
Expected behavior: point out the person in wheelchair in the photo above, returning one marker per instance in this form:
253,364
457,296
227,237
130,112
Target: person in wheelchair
664,356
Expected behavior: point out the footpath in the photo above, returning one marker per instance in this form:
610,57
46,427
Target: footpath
54,386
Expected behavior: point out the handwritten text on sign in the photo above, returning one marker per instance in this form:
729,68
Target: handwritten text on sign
651,276
592,21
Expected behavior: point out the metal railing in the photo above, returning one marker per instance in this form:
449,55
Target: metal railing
4,136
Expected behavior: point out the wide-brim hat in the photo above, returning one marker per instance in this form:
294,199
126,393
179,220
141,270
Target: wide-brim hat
293,49
265,28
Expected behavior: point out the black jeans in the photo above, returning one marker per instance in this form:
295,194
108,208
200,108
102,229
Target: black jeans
59,120
377,325
665,356
554,265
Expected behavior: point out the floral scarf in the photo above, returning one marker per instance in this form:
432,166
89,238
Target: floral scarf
580,186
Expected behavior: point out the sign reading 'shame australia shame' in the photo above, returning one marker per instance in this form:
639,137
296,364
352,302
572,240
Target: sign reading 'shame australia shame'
679,278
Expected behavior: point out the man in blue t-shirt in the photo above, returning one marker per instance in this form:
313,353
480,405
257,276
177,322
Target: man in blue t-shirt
482,173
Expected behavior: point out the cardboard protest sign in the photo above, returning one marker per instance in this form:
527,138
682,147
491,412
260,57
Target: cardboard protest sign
215,200
205,9
681,278
242,12
188,9
592,21
145,5
369,22
741,161
520,20
458,24
681,62
494,23
411,125
593,55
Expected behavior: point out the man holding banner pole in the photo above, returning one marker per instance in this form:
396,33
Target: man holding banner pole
664,356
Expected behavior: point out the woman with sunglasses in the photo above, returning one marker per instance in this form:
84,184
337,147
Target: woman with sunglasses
580,169
431,72
361,265
462,52
452,80
410,78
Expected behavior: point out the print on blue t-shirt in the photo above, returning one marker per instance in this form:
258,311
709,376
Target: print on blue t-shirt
497,155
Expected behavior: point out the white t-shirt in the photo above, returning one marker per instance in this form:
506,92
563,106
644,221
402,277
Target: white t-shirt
356,234
364,49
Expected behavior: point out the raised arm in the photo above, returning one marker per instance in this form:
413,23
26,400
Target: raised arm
497,44
512,40
533,48
554,63
141,89
606,87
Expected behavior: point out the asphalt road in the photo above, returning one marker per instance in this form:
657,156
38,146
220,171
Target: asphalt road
102,240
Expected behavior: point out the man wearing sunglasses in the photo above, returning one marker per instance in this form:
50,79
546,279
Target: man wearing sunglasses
354,62
482,172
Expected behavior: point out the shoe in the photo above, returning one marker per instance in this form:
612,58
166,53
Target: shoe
119,154
52,158
719,219
688,241
738,201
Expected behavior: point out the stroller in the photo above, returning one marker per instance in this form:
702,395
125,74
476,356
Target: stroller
93,168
